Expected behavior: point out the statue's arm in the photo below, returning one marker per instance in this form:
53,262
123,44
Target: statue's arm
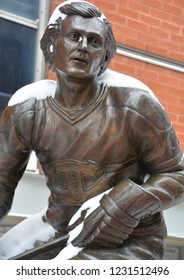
16,126
120,211
152,136
161,156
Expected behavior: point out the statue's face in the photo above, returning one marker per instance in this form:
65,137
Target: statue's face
80,47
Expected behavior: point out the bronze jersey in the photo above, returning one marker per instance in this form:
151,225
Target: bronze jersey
123,133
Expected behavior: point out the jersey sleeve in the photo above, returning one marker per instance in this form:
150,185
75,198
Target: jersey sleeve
155,141
16,127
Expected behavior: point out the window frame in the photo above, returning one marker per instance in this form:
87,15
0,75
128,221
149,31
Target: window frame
39,25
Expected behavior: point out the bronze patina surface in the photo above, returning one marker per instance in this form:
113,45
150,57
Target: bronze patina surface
91,137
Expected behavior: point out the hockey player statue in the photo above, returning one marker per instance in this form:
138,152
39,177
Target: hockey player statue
107,148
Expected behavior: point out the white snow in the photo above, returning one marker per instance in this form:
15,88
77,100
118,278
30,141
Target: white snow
90,205
57,14
113,78
38,90
23,236
42,89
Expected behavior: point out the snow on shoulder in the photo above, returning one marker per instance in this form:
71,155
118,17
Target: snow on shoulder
38,90
44,88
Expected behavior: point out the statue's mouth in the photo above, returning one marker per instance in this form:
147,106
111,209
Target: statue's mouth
79,60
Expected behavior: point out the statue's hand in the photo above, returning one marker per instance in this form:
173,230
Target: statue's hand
102,229
118,213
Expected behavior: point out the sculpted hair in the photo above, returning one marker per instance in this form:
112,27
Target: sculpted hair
85,10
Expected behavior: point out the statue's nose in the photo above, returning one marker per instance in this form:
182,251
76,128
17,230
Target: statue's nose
83,43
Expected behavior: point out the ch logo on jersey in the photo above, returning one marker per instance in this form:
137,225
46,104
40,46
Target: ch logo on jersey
73,176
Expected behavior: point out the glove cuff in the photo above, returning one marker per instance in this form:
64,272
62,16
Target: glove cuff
114,211
132,200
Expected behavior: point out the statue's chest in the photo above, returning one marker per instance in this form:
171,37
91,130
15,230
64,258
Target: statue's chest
100,137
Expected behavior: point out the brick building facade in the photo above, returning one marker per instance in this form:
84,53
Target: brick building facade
153,29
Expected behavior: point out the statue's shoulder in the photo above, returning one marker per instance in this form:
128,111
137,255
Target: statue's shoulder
37,90
22,105
133,94
23,112
119,80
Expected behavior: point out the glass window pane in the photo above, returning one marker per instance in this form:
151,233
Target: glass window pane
25,8
4,98
17,59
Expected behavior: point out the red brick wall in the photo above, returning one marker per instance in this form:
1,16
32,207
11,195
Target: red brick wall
154,26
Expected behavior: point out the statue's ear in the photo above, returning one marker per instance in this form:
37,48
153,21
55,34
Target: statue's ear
51,48
51,53
105,62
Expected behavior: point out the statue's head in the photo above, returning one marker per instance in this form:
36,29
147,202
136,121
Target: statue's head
86,11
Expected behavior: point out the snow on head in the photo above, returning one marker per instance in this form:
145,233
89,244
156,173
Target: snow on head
57,13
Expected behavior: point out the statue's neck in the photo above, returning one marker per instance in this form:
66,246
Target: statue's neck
75,93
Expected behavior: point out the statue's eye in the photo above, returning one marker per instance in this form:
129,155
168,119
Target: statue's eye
94,42
74,36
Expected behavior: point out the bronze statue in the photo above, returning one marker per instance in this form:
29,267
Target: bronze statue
91,137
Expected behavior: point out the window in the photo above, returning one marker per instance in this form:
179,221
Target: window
18,60
25,8
21,62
